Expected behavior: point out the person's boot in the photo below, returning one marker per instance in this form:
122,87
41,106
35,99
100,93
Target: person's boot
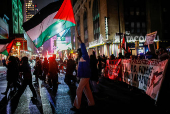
4,93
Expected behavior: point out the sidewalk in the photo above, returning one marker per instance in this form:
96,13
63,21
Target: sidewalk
2,72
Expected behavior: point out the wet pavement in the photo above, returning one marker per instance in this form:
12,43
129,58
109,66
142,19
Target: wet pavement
48,101
113,97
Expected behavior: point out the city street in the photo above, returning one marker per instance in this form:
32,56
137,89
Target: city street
113,97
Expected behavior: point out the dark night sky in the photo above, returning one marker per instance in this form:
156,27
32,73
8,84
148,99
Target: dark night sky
42,3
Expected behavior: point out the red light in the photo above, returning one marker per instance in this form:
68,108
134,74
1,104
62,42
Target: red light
35,5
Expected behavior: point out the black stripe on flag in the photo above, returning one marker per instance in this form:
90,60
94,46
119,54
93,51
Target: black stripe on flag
42,14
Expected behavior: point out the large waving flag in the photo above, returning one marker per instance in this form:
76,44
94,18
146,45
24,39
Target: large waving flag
51,20
6,48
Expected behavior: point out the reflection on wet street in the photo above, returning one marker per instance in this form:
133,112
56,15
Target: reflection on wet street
49,101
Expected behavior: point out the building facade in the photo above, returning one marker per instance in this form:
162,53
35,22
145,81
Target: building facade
4,27
16,14
30,8
99,21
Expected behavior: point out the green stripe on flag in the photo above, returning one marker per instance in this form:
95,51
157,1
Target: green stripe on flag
52,30
5,52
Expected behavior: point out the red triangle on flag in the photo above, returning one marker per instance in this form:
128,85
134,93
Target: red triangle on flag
9,46
129,50
123,43
66,12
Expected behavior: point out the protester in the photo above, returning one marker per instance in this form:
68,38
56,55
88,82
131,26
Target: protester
3,61
45,68
104,61
99,65
148,55
156,53
84,75
12,74
127,54
38,69
94,73
70,68
163,55
53,73
112,57
58,71
61,65
25,69
76,61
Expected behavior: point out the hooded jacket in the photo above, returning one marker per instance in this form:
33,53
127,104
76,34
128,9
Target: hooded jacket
84,70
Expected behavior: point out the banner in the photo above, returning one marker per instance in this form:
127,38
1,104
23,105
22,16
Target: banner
144,74
113,69
155,80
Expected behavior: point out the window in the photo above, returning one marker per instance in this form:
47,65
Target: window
131,11
135,16
96,26
137,11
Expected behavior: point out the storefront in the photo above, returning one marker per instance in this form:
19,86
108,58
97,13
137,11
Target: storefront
135,43
4,34
19,48
97,46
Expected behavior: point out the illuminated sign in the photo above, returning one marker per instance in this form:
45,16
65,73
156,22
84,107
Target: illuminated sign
106,27
96,42
132,39
18,44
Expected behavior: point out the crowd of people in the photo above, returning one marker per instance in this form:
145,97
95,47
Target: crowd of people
88,70
17,70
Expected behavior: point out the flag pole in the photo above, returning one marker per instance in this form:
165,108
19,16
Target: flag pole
77,31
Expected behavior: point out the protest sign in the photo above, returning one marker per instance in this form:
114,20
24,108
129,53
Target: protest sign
113,69
144,74
155,80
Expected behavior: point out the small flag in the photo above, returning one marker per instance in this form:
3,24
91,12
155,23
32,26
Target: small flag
124,43
150,38
49,21
129,50
6,48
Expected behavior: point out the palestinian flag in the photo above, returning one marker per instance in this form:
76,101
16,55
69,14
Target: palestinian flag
124,43
6,48
49,21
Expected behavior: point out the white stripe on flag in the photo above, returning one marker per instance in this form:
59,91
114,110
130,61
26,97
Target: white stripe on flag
35,32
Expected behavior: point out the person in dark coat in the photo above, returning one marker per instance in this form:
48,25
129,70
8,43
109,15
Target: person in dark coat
127,54
4,62
104,61
52,73
38,69
45,68
70,67
112,57
99,65
12,74
94,72
163,54
25,69
61,65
